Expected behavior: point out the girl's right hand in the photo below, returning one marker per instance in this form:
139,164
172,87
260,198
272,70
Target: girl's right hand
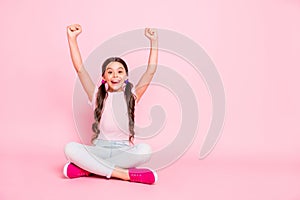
74,30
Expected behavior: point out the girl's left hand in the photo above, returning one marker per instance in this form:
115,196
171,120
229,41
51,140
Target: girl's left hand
151,34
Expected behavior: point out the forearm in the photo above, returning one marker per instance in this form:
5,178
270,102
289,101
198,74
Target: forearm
84,77
75,54
153,57
146,78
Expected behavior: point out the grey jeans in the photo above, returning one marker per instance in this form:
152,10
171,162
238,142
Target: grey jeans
102,157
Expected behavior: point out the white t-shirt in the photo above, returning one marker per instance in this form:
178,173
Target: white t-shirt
114,121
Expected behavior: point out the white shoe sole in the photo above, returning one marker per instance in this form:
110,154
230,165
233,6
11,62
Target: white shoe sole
154,173
66,169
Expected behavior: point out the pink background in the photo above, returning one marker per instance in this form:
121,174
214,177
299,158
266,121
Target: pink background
255,46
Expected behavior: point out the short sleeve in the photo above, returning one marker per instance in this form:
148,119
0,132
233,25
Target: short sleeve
93,102
134,93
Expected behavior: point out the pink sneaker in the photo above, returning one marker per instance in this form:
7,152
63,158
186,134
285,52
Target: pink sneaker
73,171
143,175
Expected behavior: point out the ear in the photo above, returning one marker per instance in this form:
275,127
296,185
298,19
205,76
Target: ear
103,80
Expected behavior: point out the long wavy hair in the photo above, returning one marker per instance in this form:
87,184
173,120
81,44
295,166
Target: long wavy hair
101,97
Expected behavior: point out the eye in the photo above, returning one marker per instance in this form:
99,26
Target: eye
120,72
109,72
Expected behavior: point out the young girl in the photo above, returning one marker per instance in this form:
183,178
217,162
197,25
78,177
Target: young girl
113,153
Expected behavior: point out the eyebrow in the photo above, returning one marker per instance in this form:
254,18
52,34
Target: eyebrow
112,68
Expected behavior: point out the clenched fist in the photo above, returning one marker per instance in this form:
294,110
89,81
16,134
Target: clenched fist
151,34
74,30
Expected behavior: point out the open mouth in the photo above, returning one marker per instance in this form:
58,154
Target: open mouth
115,81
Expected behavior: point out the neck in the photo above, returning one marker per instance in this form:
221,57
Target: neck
112,90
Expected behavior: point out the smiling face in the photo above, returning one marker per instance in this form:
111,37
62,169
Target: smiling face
115,76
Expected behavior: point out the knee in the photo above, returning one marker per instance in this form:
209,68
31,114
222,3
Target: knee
145,151
71,148
144,148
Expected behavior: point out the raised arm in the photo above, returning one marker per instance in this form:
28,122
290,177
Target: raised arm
73,31
146,78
